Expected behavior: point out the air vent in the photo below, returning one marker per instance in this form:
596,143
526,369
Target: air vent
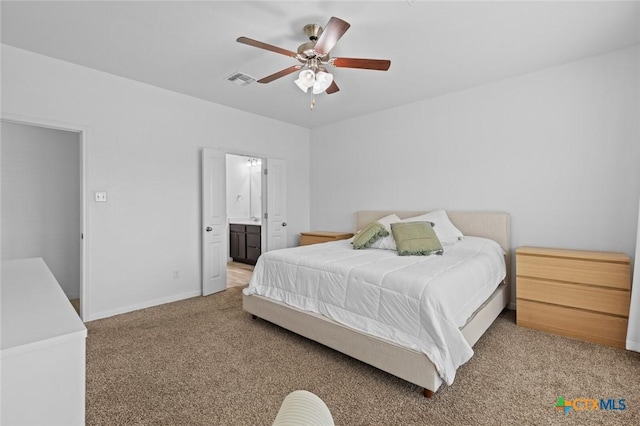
241,79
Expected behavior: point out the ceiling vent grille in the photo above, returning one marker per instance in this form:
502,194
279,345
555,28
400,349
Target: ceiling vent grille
241,79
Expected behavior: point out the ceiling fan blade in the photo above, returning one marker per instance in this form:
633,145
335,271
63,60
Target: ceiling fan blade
332,32
265,46
368,64
286,71
333,88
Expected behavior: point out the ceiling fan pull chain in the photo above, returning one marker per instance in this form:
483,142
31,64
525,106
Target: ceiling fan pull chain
313,101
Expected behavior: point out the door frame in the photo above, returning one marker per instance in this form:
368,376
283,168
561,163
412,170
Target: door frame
245,153
263,188
263,180
83,138
264,243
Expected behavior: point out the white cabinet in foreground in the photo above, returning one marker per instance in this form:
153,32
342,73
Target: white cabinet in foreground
42,364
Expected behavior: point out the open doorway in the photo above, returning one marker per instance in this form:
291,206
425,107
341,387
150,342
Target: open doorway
42,214
244,216
216,226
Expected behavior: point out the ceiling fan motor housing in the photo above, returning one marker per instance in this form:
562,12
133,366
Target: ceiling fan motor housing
306,50
313,31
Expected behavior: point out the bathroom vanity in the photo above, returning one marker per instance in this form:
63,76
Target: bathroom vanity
245,241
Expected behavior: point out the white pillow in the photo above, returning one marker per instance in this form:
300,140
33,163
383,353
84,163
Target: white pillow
388,220
386,243
445,230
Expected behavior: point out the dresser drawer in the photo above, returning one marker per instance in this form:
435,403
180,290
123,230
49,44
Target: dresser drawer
600,299
586,325
316,237
576,293
601,273
305,240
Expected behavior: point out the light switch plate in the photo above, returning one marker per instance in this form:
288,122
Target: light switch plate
101,196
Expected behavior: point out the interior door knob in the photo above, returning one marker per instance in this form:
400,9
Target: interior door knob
209,229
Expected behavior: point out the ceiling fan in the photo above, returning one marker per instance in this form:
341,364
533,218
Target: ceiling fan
314,57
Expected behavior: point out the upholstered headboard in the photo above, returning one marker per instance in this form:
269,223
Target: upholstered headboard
493,225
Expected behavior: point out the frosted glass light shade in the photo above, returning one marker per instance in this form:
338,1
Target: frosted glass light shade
306,79
301,86
322,83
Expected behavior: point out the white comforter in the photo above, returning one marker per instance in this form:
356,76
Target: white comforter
415,301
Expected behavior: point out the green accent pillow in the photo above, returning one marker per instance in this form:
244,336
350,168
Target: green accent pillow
416,238
369,235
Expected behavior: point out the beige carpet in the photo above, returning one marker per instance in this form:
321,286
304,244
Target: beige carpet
76,305
204,361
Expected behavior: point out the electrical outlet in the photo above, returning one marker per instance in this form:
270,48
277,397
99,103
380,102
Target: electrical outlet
176,274
101,196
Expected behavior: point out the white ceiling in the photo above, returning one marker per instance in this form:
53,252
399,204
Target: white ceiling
434,47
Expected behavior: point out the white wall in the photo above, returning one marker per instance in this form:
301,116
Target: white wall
143,146
41,200
558,149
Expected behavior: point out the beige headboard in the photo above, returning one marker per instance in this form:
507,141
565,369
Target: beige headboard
493,225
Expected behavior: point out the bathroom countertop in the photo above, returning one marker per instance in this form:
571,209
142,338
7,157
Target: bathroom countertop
245,222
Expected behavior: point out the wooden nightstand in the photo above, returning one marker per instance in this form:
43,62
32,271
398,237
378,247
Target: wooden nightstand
316,237
580,294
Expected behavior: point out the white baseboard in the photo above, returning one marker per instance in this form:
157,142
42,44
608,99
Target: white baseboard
143,305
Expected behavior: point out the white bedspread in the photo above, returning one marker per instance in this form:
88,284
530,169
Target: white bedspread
415,301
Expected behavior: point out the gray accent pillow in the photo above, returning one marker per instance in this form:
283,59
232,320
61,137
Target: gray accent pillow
416,238
369,234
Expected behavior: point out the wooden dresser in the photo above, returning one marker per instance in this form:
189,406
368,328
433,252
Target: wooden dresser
315,237
580,294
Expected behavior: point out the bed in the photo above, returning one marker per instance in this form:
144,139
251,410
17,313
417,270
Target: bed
399,359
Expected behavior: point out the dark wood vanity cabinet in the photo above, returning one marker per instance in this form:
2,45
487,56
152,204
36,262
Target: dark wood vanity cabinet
244,243
237,242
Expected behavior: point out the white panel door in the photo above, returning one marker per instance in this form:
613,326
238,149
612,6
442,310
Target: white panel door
276,219
633,330
214,222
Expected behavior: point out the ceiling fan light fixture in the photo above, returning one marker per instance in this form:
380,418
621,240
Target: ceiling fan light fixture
323,81
301,86
307,78
314,55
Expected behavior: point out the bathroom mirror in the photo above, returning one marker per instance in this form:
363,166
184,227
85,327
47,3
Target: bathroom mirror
244,189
